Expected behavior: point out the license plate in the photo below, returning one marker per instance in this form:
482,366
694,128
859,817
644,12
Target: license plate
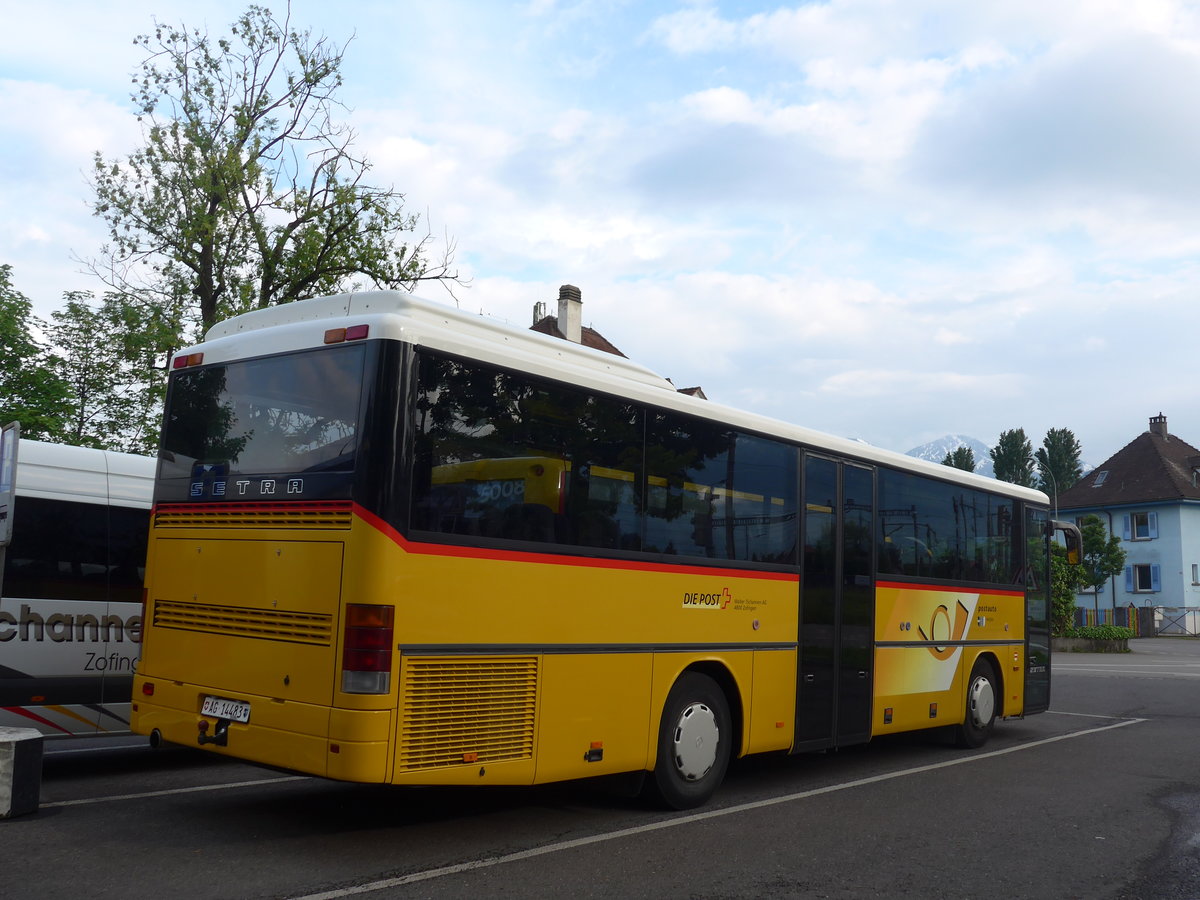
220,708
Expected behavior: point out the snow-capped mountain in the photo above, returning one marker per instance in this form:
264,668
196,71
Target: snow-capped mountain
935,451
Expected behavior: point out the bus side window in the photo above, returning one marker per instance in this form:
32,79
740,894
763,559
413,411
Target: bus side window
719,494
504,455
58,552
932,529
128,531
525,522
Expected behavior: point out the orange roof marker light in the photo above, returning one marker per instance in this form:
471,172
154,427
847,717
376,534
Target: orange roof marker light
182,361
353,333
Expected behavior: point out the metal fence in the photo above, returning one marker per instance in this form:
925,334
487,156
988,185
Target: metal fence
1177,620
1146,621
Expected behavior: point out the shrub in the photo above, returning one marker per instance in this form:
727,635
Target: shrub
1101,632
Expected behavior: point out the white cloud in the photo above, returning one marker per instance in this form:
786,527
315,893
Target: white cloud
695,30
48,127
948,337
859,383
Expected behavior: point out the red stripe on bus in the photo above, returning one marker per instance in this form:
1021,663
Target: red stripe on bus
556,559
27,714
947,588
430,549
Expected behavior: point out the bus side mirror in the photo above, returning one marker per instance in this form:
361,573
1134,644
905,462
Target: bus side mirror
1073,540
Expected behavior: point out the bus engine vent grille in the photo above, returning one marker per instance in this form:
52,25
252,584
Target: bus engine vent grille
233,621
466,711
334,514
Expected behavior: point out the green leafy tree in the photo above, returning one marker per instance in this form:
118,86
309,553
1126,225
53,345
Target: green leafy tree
1103,557
111,360
1058,461
246,192
1064,585
961,458
31,392
1012,458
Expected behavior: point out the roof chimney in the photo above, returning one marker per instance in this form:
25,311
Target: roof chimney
1158,425
570,312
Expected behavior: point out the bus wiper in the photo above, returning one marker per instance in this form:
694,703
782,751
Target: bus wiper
345,455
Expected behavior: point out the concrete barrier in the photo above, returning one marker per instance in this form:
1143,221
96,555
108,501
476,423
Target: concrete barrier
1089,645
20,771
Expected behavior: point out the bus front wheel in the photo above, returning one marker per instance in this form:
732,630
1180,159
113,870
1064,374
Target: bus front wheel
982,697
694,743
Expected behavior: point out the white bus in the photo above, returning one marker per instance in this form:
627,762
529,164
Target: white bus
70,599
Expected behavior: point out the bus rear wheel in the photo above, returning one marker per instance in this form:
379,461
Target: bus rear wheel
694,743
982,697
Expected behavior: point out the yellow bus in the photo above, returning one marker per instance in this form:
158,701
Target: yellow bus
392,542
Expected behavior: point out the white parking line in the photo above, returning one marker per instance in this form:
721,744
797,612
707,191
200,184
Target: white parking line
1121,667
119,748
1059,712
186,790
688,819
1166,672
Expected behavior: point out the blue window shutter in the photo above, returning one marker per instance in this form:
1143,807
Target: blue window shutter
1152,521
1125,532
1129,578
1155,577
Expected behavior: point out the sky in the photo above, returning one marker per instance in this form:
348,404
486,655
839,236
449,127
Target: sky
886,221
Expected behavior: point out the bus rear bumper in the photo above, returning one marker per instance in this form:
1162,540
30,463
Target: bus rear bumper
347,745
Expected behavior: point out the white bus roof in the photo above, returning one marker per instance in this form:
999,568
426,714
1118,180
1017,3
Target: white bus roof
404,317
83,475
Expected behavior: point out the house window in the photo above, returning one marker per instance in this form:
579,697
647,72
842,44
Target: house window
1141,526
1195,573
1143,579
1101,477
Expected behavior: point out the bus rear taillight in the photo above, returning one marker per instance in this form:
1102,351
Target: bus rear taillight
367,653
183,360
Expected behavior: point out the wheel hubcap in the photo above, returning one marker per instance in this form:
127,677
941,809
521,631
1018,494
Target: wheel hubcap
695,741
983,702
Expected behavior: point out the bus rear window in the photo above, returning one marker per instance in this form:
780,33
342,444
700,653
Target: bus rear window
276,415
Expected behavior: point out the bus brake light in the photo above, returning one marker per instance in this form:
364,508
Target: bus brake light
353,333
187,359
367,649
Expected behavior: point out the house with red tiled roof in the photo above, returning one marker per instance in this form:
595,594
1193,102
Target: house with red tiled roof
1148,494
568,325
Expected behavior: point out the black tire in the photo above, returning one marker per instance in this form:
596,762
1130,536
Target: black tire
695,742
983,697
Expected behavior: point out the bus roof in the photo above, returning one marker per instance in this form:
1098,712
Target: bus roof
405,317
84,475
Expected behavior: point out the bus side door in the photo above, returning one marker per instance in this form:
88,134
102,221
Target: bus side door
835,664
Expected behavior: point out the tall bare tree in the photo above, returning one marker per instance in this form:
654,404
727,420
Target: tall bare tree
247,192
